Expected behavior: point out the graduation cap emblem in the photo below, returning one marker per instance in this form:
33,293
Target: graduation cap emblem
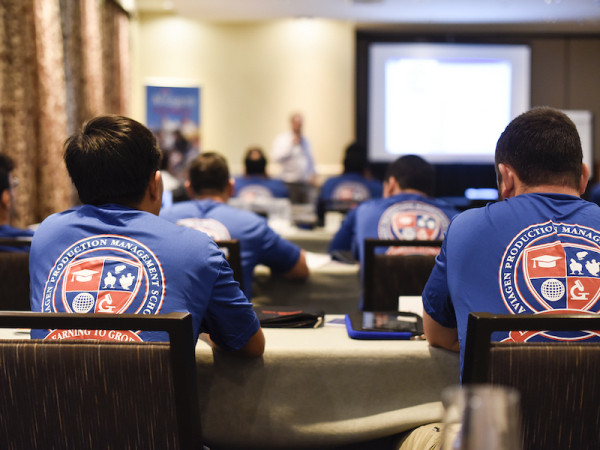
83,275
545,261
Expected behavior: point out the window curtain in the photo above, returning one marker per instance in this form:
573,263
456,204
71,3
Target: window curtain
61,63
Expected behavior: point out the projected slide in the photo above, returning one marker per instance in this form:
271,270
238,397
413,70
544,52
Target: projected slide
447,103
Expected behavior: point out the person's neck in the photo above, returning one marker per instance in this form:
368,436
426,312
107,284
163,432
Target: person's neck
219,198
547,189
412,191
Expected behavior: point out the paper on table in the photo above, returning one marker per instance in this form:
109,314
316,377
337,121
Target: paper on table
411,303
315,260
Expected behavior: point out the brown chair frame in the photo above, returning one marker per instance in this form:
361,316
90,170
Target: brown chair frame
413,263
557,380
181,350
23,241
14,275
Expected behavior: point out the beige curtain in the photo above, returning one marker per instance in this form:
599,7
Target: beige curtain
61,62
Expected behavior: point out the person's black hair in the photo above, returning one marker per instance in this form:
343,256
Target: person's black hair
208,173
6,167
542,146
412,172
111,160
255,166
355,160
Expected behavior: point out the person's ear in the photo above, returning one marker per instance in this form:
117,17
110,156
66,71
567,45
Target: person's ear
506,186
5,198
156,189
585,176
231,187
188,189
391,187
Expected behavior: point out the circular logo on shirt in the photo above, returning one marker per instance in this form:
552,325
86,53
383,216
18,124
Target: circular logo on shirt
104,274
350,191
215,229
412,221
551,268
255,192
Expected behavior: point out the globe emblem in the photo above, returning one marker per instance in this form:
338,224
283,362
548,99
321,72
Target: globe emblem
552,289
83,302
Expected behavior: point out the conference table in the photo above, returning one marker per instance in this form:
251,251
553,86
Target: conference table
318,388
332,286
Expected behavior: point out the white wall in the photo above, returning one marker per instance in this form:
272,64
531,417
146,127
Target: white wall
252,76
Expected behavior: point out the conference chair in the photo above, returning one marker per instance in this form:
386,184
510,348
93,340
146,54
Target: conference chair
403,272
233,254
76,394
557,380
14,280
16,243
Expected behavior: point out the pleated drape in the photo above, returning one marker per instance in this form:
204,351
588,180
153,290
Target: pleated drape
61,63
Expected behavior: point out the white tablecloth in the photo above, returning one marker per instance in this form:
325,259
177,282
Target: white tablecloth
318,387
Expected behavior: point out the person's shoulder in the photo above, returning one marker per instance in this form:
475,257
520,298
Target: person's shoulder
176,209
57,219
332,180
180,238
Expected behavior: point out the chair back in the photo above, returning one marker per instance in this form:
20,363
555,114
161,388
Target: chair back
14,281
233,254
68,394
388,276
17,243
560,394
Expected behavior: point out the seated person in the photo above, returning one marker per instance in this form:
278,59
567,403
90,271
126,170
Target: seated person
407,211
535,252
7,184
210,187
346,191
113,254
594,193
256,185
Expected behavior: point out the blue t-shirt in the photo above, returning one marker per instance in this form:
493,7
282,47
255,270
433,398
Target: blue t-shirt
349,188
533,253
259,244
252,188
113,259
402,216
7,231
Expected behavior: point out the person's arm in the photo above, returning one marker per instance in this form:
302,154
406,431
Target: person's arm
255,346
282,148
438,335
343,238
300,270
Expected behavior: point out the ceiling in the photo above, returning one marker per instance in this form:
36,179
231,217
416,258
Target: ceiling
576,13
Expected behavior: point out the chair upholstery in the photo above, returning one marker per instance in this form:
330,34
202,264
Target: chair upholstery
233,254
560,394
69,394
15,244
14,281
388,276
